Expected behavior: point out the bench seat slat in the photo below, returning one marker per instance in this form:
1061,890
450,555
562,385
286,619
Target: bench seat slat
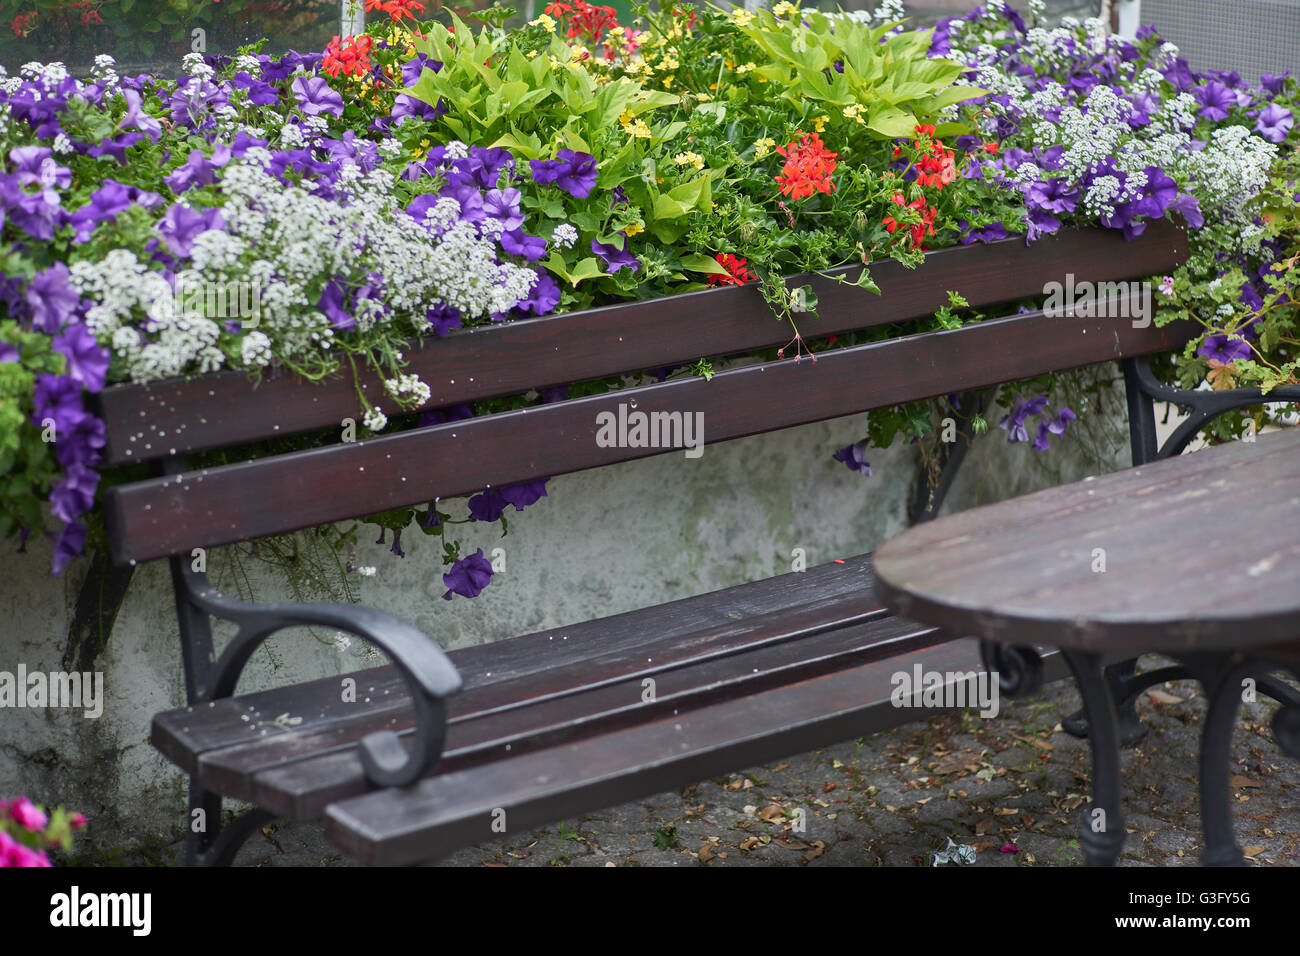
558,660
449,811
289,782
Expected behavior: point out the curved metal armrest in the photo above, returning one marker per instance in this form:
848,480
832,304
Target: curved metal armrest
1205,405
427,671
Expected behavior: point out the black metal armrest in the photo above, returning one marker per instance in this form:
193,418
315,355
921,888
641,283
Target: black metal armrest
427,671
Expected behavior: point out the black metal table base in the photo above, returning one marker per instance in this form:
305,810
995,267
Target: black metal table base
1106,695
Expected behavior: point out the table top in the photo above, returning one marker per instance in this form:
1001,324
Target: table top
1199,551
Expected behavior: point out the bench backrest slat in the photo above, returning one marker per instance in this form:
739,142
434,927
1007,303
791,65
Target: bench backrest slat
163,516
223,410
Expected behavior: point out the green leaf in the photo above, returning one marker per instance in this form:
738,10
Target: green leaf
700,263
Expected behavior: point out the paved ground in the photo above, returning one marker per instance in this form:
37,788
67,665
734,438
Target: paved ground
1011,787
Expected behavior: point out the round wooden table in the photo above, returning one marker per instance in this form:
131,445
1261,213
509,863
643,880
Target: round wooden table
1196,558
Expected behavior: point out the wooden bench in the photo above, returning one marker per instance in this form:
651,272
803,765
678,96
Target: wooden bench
438,745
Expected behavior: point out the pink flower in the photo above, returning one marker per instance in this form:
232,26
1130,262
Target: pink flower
78,821
24,813
1009,848
24,856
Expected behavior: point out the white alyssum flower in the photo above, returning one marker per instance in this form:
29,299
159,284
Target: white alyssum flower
374,419
565,235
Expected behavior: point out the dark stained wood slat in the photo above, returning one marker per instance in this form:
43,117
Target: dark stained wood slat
163,516
1201,551
224,409
260,772
449,811
551,663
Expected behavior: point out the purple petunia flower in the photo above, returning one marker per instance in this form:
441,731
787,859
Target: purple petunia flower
518,243
332,302
413,69
1273,83
1054,195
8,352
1216,99
259,92
75,495
468,576
544,297
182,225
575,173
443,318
990,233
71,543
315,96
1224,348
503,205
106,204
525,493
87,362
487,505
1189,208
1013,423
1274,123
614,257
198,169
1158,193
137,118
854,457
51,298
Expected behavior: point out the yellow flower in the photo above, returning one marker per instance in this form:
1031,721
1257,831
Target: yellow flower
763,146
670,61
689,159
744,67
704,97
783,8
638,130
854,112
741,17
545,22
532,53
633,229
625,118
819,122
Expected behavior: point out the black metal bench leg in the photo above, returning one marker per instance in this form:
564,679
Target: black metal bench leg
1125,686
1102,824
214,845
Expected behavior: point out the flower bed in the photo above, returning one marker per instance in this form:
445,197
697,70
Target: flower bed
322,215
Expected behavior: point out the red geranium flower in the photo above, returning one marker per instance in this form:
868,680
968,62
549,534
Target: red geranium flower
737,274
807,169
396,8
350,57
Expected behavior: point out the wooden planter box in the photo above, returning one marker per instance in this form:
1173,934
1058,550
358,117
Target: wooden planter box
240,501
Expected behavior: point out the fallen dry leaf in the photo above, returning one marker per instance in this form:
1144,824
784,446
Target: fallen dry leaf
828,787
749,844
705,854
984,826
818,849
772,814
1240,781
1162,697
1253,851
